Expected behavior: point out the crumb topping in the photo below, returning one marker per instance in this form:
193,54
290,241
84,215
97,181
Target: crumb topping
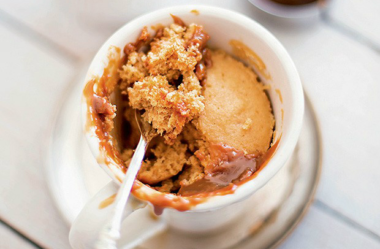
167,109
165,82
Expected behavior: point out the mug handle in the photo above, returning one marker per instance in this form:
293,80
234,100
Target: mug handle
87,226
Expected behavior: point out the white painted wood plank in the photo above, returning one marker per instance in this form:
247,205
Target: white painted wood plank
362,16
25,202
320,230
55,21
32,82
341,77
66,23
10,240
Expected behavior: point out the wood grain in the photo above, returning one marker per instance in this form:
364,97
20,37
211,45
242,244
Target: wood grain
340,76
31,83
10,239
41,40
318,230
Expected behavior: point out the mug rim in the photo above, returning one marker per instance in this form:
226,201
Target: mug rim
281,155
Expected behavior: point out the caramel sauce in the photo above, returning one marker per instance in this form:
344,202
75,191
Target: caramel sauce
206,57
158,210
159,33
200,38
195,12
282,115
153,215
164,200
96,94
200,68
262,161
102,106
201,186
107,201
118,178
200,71
140,42
278,91
157,27
266,87
224,159
231,169
243,52
178,20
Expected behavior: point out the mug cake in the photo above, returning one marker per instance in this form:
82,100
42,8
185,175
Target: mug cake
211,116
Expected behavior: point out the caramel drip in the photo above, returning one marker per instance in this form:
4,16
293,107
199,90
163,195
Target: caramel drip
233,169
96,94
105,203
278,91
243,52
195,12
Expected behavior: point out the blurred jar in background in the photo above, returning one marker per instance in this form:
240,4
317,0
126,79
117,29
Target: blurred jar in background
294,2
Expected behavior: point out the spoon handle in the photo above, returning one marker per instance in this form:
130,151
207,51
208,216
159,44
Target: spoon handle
111,231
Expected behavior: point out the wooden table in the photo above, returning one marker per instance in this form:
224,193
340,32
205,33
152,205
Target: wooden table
42,44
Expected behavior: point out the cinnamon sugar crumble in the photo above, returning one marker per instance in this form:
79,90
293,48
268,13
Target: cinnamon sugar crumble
149,79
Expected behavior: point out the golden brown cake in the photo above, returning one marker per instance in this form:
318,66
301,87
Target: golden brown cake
237,110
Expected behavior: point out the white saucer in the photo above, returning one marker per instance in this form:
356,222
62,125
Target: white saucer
288,11
73,177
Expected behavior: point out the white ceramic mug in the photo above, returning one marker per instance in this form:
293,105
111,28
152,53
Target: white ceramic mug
214,212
